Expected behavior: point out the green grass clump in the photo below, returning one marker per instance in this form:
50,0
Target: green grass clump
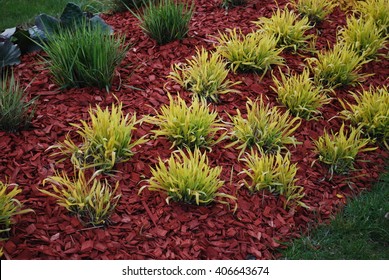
264,127
287,27
205,75
191,126
315,10
275,173
106,141
252,52
363,36
15,112
84,56
371,112
187,178
166,20
339,66
300,95
339,150
91,200
359,232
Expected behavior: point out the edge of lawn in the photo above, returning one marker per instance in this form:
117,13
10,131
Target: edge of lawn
359,232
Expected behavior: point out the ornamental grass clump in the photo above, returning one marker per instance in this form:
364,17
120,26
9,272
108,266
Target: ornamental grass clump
191,126
187,178
287,27
10,206
339,150
378,10
371,112
275,173
300,95
15,112
252,52
106,141
363,36
264,127
166,20
91,200
84,56
339,66
315,10
205,75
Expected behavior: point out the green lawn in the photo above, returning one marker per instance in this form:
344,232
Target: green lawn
361,231
15,12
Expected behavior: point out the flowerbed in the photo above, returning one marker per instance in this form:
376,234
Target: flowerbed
145,226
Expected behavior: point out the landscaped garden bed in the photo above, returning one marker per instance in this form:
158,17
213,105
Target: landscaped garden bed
143,225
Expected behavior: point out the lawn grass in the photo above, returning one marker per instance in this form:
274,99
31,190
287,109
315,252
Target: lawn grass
359,232
16,12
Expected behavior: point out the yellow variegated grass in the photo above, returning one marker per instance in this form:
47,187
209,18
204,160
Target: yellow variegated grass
275,173
205,75
378,10
106,141
315,10
264,127
252,52
9,206
91,200
339,150
338,67
191,126
363,36
188,178
371,112
287,27
300,95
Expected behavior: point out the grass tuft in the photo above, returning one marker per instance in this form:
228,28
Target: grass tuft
15,112
339,150
165,20
264,128
275,173
91,200
287,27
205,75
188,178
371,112
339,66
300,95
315,10
10,206
107,140
85,56
252,52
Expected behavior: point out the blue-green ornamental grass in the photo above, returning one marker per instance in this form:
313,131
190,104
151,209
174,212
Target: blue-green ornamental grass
15,111
167,20
84,56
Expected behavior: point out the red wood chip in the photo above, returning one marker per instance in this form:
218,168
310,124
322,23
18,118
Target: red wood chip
55,236
87,246
30,229
100,247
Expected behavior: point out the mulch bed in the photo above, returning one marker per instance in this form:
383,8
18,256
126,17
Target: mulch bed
145,227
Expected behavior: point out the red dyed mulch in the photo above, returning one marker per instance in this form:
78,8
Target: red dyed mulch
145,227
